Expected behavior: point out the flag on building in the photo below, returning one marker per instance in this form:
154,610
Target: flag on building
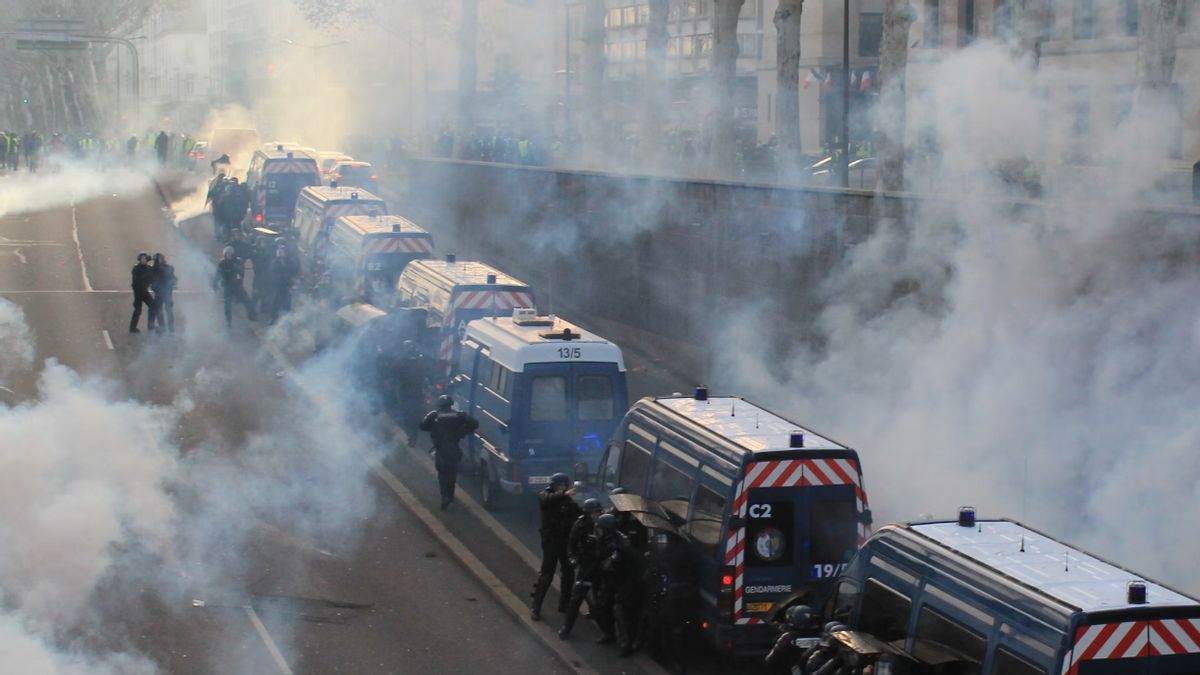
853,79
866,81
810,79
827,84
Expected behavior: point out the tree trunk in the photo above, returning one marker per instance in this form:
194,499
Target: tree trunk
1156,46
787,79
898,16
468,72
655,98
592,78
724,74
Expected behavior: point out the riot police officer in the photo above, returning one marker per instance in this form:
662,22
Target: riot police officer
229,278
616,588
142,277
559,513
581,549
798,623
447,427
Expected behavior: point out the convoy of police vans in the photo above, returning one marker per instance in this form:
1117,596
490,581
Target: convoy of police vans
770,513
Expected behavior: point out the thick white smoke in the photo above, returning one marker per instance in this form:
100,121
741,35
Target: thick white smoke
25,192
1040,363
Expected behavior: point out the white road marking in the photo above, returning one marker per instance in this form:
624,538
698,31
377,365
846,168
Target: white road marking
17,253
107,339
266,638
87,283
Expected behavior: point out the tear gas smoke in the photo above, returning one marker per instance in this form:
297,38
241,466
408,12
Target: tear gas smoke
1041,365
27,192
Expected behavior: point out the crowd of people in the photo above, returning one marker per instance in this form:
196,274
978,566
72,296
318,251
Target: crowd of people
32,150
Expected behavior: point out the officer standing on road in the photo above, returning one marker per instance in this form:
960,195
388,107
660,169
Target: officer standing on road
143,277
163,286
447,427
798,623
581,546
229,276
616,584
161,144
281,273
559,513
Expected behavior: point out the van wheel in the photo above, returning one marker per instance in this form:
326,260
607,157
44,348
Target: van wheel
489,489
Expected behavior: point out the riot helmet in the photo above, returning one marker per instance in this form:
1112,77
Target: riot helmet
591,506
606,523
560,479
444,402
228,253
799,616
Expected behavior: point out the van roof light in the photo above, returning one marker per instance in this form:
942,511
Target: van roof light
491,278
290,155
279,147
966,516
451,258
701,393
796,440
333,184
1136,592
395,226
353,195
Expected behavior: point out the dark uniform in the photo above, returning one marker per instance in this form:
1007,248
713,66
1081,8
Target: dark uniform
229,277
280,274
143,277
672,602
582,548
617,589
447,427
163,286
559,513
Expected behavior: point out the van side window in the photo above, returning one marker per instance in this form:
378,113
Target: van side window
1007,663
595,394
635,466
498,382
548,399
612,464
672,488
707,515
945,635
885,612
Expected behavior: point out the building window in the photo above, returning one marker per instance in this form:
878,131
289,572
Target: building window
1080,113
1129,17
966,29
933,24
1049,19
749,46
630,16
870,33
1002,19
1083,21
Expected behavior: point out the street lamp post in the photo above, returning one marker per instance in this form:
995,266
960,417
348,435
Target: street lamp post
843,163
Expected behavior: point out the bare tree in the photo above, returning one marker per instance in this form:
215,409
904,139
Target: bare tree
654,96
724,74
592,77
898,16
787,78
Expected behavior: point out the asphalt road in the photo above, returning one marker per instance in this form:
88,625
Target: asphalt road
308,538
275,583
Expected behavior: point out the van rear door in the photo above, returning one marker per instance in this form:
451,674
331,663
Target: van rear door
1153,646
600,398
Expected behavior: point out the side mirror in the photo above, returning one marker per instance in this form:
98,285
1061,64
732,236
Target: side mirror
865,517
736,522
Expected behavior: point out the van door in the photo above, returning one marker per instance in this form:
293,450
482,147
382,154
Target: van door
599,398
541,400
828,528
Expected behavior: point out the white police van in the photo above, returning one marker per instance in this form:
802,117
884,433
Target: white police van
773,511
455,293
547,395
366,255
997,597
317,208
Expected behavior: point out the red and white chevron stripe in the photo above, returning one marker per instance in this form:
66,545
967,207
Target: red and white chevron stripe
399,244
1133,639
786,473
290,167
352,208
483,299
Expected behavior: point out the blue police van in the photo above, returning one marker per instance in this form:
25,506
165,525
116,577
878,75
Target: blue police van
997,597
772,512
547,395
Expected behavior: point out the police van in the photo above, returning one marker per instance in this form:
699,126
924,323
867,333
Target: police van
317,208
455,293
997,597
773,511
547,395
275,179
366,254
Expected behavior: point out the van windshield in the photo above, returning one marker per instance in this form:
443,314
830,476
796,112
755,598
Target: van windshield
832,531
595,394
283,189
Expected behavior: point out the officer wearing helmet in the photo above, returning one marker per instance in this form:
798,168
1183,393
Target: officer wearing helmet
581,549
616,584
229,278
447,427
798,623
142,277
559,513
